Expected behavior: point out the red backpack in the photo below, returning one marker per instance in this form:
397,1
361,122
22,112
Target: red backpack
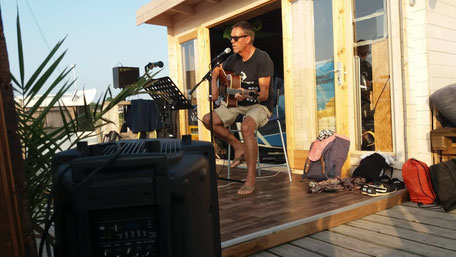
418,182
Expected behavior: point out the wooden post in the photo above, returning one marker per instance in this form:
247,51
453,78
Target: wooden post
288,79
16,234
343,55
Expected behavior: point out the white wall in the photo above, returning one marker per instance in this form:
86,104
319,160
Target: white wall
441,40
429,31
416,81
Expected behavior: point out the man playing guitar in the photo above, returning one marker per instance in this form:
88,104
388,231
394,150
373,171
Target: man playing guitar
255,69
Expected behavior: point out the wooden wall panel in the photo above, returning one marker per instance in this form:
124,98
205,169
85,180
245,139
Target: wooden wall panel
300,159
382,95
300,90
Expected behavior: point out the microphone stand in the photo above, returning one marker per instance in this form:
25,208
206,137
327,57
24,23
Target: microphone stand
214,63
208,76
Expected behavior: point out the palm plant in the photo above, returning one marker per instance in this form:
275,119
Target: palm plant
39,144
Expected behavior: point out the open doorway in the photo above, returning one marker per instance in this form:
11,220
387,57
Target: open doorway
267,23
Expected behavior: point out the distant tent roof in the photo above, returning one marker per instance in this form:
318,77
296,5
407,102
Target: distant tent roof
73,99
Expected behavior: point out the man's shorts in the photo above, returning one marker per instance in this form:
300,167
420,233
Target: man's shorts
258,112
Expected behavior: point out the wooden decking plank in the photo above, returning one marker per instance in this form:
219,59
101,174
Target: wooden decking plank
393,242
420,227
261,240
428,212
425,238
404,214
293,251
279,211
263,254
435,208
359,245
325,248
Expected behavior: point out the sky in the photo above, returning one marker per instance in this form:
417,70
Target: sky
100,35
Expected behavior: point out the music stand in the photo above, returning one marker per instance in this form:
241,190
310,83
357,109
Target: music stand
163,90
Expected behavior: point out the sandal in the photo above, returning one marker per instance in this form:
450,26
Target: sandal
397,183
246,190
237,161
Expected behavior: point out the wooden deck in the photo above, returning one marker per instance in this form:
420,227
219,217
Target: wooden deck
404,230
279,212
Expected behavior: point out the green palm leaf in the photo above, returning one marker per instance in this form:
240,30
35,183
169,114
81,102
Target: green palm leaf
35,100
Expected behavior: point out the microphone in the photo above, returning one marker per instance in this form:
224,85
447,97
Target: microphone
222,54
152,65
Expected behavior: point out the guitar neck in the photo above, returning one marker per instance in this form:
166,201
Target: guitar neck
233,91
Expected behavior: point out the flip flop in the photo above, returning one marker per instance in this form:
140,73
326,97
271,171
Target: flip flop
237,161
245,188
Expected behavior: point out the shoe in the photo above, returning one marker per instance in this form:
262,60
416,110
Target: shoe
365,187
382,189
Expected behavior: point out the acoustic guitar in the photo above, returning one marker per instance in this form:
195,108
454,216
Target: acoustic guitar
229,84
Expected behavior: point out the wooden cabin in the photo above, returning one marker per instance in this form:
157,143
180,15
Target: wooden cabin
321,50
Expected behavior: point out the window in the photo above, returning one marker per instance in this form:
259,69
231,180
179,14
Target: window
372,76
324,64
189,73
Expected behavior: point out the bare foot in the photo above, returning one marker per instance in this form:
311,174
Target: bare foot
246,190
237,161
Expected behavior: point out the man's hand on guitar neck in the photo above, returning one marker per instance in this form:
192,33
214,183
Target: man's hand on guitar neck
241,96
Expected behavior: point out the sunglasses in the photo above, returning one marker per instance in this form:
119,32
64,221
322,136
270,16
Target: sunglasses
236,38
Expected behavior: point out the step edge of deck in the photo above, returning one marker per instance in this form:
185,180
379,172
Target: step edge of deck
299,222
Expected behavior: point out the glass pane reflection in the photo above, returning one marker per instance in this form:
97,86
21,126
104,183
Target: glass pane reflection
188,66
324,64
367,7
370,29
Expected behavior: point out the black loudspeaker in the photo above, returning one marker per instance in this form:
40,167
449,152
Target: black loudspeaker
151,197
124,76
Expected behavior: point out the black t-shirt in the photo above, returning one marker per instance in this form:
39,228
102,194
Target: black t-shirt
258,66
366,69
366,72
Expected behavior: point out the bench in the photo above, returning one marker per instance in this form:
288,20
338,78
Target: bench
443,140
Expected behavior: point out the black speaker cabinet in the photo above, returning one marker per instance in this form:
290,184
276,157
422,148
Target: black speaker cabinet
124,76
150,197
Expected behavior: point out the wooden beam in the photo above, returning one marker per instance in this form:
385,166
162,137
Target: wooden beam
287,36
187,37
343,55
209,15
184,9
162,20
10,228
15,229
153,9
202,93
213,1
